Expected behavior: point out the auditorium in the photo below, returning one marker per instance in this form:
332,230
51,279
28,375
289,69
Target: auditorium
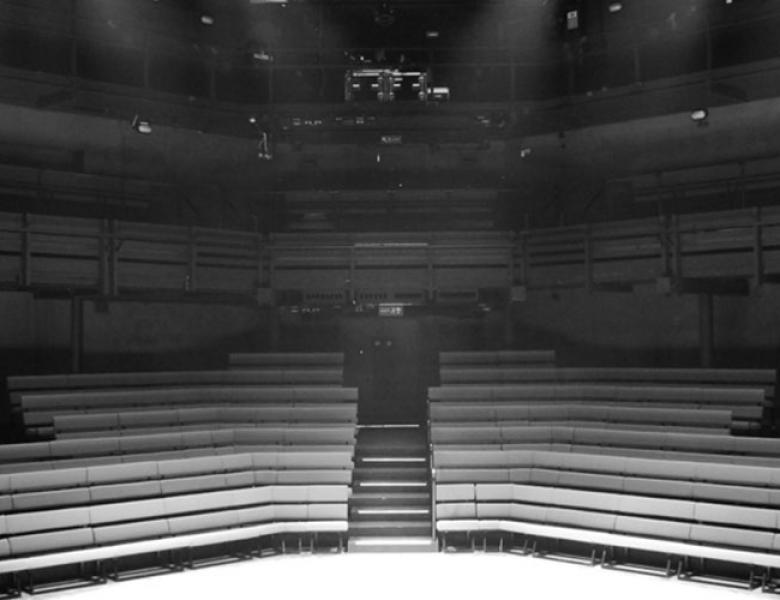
389,298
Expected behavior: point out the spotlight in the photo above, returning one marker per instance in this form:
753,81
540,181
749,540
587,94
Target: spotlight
262,56
207,19
525,152
431,34
615,7
700,115
141,125
253,120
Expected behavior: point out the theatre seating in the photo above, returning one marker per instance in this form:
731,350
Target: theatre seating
763,379
134,448
747,406
164,512
38,410
189,419
459,416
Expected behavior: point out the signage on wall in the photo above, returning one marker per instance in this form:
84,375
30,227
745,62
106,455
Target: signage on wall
390,310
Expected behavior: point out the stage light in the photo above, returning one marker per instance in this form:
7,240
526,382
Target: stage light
615,7
262,56
700,115
431,34
525,152
207,19
141,126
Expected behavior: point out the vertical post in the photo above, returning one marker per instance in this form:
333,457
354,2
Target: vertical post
192,262
104,258
76,333
706,330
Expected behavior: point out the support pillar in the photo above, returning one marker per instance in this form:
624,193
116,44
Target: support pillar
706,330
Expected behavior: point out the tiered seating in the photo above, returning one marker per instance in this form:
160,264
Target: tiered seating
30,386
707,379
38,410
673,507
174,461
98,513
746,405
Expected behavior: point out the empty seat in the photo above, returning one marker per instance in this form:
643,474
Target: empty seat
114,534
46,499
203,522
126,511
728,536
660,528
50,541
43,520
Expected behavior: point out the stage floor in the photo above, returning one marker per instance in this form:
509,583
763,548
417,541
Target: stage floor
402,577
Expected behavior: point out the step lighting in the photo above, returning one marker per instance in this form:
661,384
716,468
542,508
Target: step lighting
393,542
389,459
393,511
393,483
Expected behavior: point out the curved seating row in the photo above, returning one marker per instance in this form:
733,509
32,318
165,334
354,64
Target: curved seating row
703,529
748,406
38,410
211,441
498,465
508,436
696,377
144,421
108,381
505,413
98,532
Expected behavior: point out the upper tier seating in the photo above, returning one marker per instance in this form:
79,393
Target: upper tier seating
748,406
38,410
633,376
461,416
138,422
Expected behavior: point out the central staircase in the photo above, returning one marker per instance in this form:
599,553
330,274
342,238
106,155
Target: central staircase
390,507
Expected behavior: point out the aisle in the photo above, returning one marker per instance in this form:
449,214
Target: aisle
403,577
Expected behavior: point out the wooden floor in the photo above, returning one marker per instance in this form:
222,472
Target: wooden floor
403,576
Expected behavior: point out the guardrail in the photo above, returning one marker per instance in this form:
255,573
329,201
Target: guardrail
113,257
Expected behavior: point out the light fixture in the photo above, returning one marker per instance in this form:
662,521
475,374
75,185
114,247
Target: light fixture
431,34
140,125
525,152
615,7
207,19
700,115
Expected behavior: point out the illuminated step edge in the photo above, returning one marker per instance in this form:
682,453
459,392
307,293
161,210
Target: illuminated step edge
399,541
390,426
393,511
393,483
384,459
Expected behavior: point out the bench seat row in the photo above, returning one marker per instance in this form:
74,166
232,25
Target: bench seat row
488,437
498,465
705,526
215,417
264,360
52,532
446,413
227,439
742,378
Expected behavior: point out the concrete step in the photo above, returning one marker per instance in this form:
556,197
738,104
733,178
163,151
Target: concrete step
383,473
390,528
390,513
381,544
390,498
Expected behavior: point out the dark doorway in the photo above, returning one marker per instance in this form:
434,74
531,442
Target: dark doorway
392,361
